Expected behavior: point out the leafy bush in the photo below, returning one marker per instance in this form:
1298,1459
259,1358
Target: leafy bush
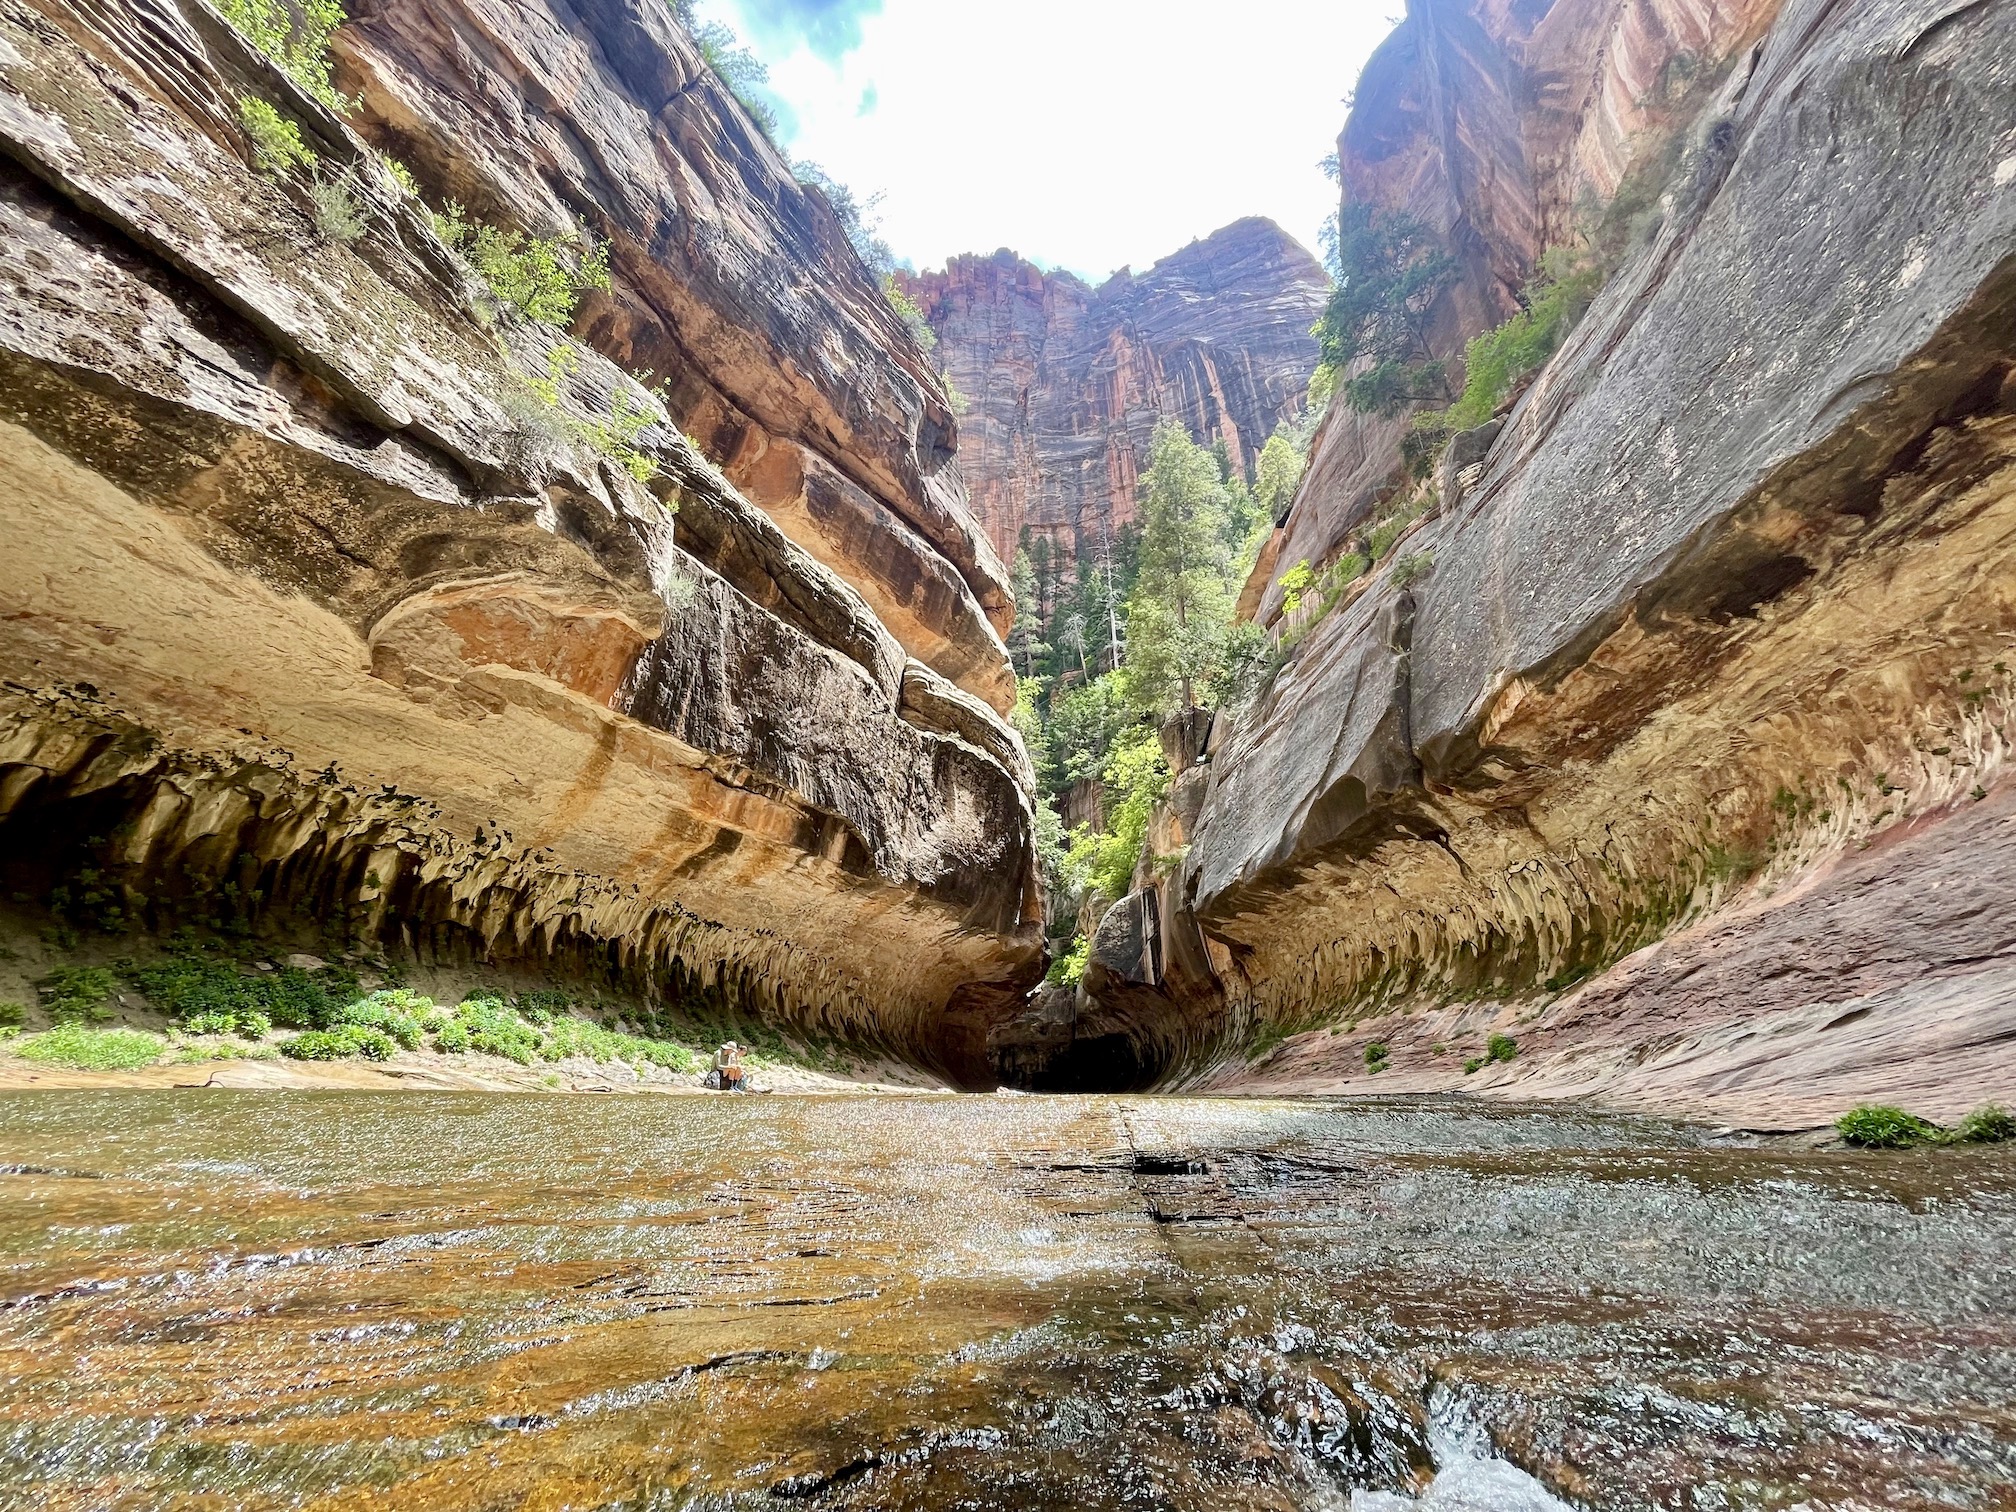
92,1049
73,993
212,1023
542,278
908,311
277,147
1472,1067
394,1013
318,1045
1412,568
338,214
254,1025
452,1038
11,1015
1375,1054
191,984
294,36
1502,1047
1878,1127
1139,776
1068,970
735,65
1987,1124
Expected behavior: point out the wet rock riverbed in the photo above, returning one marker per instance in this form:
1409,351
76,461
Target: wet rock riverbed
244,1300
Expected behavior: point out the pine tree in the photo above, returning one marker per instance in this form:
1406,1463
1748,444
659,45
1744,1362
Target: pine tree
1180,608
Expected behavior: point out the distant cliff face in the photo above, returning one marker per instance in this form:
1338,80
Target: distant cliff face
319,603
1065,382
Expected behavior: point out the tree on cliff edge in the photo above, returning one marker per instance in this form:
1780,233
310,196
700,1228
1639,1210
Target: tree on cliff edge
1181,606
1390,270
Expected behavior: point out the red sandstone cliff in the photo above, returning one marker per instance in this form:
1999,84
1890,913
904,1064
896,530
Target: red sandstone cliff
1066,381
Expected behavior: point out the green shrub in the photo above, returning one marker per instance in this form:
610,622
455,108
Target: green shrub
73,993
11,1015
92,1049
1412,568
254,1025
542,278
1502,1047
339,215
1068,970
317,1045
452,1038
1987,1124
1375,1054
192,984
1472,1067
908,311
294,36
277,147
372,1044
1878,1127
212,1023
394,1012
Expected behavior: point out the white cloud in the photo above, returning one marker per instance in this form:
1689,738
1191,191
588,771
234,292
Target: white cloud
1085,134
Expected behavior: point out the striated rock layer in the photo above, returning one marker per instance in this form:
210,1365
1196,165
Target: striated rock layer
319,618
1066,382
1731,596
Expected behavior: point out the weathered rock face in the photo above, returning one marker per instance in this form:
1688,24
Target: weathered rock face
1731,599
317,616
1507,126
734,285
1066,382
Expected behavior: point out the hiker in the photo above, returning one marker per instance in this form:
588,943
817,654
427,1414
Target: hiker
728,1067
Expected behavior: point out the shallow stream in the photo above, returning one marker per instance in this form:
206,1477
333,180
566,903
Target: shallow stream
244,1300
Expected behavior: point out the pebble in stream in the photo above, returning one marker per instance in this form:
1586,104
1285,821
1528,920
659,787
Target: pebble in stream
217,1299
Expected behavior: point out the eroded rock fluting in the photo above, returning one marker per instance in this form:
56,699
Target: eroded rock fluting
321,596
1719,617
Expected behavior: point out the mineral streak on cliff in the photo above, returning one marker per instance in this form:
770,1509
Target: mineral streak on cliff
316,606
1713,636
1066,381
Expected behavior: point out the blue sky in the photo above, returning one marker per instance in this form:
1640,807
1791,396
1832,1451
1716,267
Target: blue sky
1085,134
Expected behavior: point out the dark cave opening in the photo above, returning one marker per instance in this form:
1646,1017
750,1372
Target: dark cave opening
1098,1063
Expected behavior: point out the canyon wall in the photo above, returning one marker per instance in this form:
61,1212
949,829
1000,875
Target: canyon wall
1065,382
1672,743
334,610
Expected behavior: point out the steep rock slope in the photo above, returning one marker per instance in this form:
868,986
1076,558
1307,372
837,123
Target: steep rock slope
321,618
1730,597
1507,128
733,284
1066,382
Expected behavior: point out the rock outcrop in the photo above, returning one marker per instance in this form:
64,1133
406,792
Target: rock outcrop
322,617
1728,599
1066,382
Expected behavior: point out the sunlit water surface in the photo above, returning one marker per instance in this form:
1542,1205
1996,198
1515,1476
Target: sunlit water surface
244,1300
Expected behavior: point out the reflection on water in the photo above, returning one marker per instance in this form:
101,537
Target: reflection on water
243,1300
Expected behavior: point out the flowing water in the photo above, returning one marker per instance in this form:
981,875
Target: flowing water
243,1300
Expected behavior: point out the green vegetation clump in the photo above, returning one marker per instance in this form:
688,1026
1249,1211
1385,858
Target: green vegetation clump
11,1014
910,313
197,985
338,213
71,994
84,1049
1473,1066
617,436
542,278
1375,1056
1105,860
277,147
1068,970
1875,1126
1987,1124
295,34
1502,1047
